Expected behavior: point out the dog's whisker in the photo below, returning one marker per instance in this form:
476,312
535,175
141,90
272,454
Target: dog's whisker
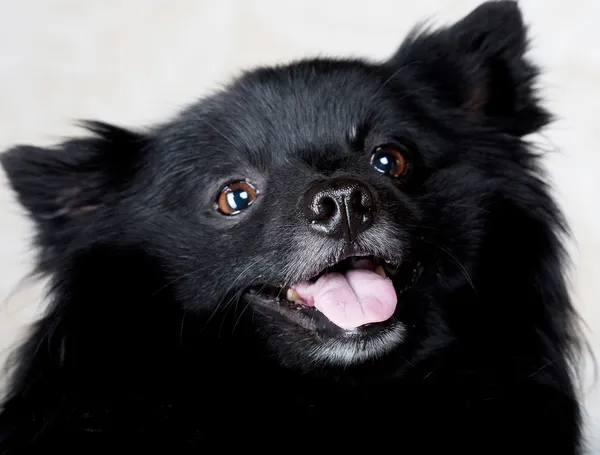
460,265
233,303
170,283
240,275
246,306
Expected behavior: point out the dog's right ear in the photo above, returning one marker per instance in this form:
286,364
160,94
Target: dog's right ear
78,177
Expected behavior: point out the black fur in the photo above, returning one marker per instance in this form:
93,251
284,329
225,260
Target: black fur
150,341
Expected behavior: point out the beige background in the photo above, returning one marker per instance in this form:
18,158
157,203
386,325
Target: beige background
137,61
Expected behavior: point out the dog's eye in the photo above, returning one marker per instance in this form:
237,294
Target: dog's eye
390,160
236,197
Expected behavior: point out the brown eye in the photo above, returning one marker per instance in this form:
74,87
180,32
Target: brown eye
236,197
390,160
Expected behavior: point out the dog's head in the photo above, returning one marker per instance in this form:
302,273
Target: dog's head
343,209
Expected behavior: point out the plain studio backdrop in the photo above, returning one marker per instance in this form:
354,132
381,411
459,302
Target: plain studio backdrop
138,61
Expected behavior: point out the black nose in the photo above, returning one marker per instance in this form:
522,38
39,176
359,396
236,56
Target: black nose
340,207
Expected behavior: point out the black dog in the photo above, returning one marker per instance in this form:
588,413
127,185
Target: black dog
324,253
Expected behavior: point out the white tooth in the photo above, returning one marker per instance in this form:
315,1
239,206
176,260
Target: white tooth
293,296
379,270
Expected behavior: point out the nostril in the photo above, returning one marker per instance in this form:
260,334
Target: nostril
360,201
321,207
327,208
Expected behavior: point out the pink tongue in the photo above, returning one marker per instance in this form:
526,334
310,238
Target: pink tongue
353,299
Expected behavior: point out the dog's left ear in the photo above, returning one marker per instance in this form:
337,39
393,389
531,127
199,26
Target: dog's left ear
479,65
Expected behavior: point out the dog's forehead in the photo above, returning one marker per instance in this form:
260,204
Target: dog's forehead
299,106
274,114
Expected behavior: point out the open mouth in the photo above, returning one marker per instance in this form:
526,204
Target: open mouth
354,292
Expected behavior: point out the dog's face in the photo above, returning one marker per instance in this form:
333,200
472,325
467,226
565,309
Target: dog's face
335,207
313,195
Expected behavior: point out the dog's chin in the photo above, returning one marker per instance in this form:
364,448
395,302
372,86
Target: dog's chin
315,340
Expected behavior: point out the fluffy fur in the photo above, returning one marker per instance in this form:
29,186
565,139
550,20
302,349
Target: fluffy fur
152,340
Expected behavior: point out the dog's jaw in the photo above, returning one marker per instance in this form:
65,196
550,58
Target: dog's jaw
355,347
